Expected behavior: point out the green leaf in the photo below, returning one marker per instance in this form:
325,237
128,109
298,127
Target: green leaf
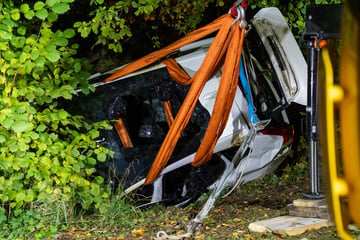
21,108
54,116
34,135
85,89
75,153
8,24
69,33
93,134
63,114
77,67
39,5
42,14
21,30
3,46
23,146
84,31
13,147
31,40
92,88
46,162
28,66
27,48
53,56
29,196
41,127
60,41
35,54
20,126
7,123
24,8
18,42
60,8
2,138
20,196
99,179
42,146
95,189
300,5
15,14
66,91
29,14
40,62
101,157
77,24
91,161
51,3
89,171
22,57
5,34
52,17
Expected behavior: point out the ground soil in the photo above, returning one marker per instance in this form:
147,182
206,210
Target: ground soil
230,217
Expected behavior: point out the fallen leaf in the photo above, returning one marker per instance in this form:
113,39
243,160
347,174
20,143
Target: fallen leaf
237,220
139,231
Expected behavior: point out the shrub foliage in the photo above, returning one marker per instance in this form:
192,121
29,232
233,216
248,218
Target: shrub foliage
46,153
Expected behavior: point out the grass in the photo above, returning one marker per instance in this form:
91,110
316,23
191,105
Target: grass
229,219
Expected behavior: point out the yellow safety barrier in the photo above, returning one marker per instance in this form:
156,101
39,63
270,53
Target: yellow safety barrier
342,168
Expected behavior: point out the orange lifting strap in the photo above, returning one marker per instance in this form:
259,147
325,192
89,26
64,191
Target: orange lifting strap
155,56
224,98
123,134
176,72
228,41
168,113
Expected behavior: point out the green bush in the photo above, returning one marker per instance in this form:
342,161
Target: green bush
113,24
47,154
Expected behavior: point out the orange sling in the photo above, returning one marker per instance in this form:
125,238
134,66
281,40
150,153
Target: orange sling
186,109
168,113
224,98
155,56
123,134
177,73
227,41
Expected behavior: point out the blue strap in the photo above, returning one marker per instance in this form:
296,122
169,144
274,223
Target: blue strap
253,118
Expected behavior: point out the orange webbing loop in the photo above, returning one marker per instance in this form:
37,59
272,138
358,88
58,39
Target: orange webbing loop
168,113
123,133
155,56
176,72
199,79
224,98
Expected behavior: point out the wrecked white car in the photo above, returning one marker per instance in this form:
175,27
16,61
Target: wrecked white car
142,105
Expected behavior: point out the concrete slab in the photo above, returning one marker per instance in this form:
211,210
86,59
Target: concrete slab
312,212
289,225
309,202
309,208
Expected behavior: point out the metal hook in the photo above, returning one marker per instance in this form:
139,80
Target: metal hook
240,16
237,3
241,10
237,17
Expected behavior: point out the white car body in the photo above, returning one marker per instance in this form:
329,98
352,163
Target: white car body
290,68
